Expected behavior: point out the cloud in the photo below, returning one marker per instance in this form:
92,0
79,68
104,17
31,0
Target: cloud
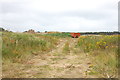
59,15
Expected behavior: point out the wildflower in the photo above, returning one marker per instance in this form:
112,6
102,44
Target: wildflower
97,43
104,42
106,47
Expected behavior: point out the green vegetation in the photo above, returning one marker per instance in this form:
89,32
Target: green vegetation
63,35
91,43
41,55
103,50
17,45
66,48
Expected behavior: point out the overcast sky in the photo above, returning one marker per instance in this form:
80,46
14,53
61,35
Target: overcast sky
59,15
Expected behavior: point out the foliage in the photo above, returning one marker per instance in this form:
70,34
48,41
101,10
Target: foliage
104,51
17,45
91,43
59,34
66,48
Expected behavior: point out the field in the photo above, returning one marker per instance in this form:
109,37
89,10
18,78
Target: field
62,35
59,56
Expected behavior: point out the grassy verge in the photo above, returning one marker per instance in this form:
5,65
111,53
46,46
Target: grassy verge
20,45
103,50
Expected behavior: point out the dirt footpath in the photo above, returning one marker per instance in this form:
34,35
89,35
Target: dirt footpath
57,64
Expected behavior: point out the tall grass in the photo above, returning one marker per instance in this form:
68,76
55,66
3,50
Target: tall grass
104,52
92,43
66,48
17,45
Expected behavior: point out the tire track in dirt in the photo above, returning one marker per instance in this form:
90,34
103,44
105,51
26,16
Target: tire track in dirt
43,60
73,66
56,64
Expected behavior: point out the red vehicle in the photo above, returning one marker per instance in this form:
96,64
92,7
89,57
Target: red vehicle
75,35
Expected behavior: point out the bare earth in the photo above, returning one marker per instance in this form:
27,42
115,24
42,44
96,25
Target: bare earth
54,64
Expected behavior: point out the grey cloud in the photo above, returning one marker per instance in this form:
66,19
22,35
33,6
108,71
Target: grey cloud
18,16
12,7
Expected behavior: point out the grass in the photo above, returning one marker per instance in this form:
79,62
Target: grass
62,35
66,48
103,50
19,45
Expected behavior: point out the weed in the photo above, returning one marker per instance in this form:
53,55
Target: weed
66,48
19,45
103,50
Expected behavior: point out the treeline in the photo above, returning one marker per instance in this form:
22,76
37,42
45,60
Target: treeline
82,33
96,33
100,33
3,30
